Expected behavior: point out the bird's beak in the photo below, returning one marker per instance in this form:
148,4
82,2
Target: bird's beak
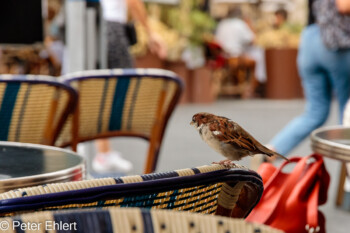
193,123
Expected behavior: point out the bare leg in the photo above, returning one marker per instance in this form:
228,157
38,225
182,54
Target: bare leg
103,145
108,160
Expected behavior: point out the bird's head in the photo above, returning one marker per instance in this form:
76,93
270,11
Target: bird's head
201,118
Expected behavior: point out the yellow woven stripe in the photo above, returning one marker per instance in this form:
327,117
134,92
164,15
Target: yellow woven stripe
170,89
128,220
59,187
215,167
161,198
129,101
114,202
73,206
36,114
89,105
184,195
62,103
108,105
16,111
66,133
202,205
207,196
131,179
229,195
145,105
185,172
2,90
209,199
210,168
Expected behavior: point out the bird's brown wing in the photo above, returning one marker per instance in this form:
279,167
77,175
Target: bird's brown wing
233,137
231,133
261,149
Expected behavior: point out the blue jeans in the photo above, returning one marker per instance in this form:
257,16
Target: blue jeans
321,71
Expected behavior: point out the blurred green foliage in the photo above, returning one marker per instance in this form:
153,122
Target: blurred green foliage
189,20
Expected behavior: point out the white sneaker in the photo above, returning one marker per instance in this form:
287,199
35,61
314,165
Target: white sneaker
111,162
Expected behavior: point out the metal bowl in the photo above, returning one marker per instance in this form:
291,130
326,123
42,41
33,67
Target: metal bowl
332,142
24,165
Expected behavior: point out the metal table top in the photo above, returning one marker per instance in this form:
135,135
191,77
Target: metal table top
332,142
24,164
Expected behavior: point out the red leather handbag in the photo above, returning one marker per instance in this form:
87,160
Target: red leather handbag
290,200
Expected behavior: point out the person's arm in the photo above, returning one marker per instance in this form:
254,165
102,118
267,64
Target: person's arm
343,6
138,12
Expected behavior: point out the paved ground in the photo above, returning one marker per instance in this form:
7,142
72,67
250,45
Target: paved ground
183,147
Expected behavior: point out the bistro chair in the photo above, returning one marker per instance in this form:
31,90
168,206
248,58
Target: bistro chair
34,108
122,102
240,75
135,220
213,189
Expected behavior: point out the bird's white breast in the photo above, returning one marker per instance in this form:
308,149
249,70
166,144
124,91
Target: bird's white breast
222,148
208,137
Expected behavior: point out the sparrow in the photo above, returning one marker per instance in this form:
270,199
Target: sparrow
228,138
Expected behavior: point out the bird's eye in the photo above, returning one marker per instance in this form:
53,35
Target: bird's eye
193,118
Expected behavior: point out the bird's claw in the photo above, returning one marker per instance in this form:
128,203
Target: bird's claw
226,163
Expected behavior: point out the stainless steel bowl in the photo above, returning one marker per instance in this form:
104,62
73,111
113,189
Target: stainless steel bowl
24,165
332,142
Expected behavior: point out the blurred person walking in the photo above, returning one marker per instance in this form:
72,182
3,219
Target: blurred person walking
324,66
115,13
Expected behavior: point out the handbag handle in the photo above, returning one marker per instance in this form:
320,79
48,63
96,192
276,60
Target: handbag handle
278,171
292,182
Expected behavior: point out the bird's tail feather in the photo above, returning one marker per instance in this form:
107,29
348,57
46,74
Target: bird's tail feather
281,156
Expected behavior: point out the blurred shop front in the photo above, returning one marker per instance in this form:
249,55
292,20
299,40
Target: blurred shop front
70,35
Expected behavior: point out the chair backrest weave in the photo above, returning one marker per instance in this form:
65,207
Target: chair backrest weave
122,102
33,108
135,220
212,189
